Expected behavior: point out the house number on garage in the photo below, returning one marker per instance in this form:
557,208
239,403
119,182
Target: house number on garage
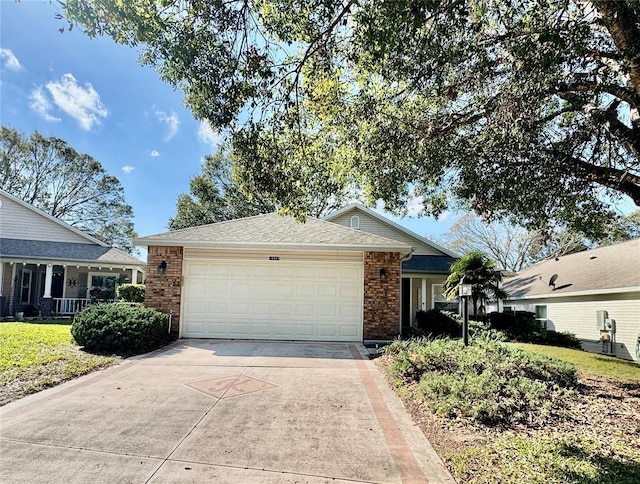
274,257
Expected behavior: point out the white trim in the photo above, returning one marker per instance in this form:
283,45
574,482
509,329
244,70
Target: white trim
71,262
403,249
385,220
590,292
53,219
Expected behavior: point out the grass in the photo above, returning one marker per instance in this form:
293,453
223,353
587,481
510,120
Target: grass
589,364
35,356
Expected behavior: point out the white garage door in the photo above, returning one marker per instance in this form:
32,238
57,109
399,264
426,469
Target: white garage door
282,298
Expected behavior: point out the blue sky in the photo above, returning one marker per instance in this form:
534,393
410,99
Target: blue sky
93,94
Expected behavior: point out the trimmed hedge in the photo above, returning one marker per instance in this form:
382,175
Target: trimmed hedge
120,328
523,327
131,293
436,323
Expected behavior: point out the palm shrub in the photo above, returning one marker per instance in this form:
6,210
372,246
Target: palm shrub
487,382
120,328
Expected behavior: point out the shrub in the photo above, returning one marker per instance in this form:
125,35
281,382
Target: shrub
524,328
131,293
487,382
437,323
120,328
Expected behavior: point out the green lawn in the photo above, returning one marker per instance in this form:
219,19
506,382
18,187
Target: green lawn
590,364
35,356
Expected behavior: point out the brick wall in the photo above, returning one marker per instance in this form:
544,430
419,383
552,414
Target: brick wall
381,299
163,291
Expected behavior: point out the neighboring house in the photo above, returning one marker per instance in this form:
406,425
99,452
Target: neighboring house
424,272
270,277
568,292
48,267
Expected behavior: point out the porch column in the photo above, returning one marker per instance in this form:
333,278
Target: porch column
12,295
48,278
46,306
1,276
134,276
423,294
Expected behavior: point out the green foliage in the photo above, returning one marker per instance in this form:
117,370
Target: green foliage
487,382
130,293
120,328
215,196
50,175
436,323
479,271
522,326
524,110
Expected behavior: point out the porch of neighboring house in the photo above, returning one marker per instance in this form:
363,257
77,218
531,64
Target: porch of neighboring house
49,289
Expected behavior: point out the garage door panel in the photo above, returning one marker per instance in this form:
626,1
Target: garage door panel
318,300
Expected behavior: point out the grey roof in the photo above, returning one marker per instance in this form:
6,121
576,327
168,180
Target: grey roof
602,269
273,231
438,264
64,251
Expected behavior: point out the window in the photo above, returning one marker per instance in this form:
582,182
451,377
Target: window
541,315
442,302
102,286
354,223
25,286
507,309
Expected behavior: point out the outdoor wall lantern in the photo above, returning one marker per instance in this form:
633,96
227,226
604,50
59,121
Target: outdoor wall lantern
162,267
383,274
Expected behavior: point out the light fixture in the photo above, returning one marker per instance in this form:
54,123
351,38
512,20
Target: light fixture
383,274
162,267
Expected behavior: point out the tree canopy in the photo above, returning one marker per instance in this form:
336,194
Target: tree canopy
216,195
73,187
525,109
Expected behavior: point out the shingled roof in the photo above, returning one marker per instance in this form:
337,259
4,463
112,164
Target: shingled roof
604,269
64,251
273,231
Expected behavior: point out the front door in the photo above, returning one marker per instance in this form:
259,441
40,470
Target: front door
57,283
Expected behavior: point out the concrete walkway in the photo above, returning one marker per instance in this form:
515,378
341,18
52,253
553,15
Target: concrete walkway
224,412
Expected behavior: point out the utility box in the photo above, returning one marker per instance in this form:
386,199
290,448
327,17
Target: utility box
610,325
601,317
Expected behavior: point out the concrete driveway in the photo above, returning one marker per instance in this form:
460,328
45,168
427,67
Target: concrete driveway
224,412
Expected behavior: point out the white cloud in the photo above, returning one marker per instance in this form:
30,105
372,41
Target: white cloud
80,102
154,153
172,122
207,135
128,169
415,206
40,104
9,60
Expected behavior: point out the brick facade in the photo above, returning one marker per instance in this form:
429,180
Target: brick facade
163,291
381,317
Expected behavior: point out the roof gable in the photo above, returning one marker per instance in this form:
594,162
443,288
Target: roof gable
21,220
378,224
602,269
273,231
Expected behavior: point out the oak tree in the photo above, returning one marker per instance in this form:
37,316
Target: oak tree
526,109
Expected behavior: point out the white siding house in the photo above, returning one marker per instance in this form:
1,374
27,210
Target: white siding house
48,266
585,284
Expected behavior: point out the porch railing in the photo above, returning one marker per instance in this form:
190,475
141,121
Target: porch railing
69,305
